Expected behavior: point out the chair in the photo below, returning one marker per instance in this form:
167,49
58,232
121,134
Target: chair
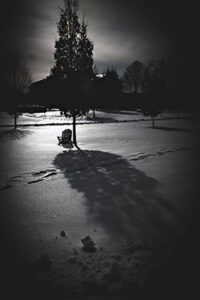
65,138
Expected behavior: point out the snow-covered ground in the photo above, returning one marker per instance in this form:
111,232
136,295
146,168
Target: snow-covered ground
54,117
130,183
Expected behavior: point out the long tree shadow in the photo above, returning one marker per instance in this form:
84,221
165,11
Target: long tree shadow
130,113
171,129
119,197
13,134
100,119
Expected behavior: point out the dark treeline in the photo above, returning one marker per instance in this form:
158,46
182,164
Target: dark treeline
159,89
53,93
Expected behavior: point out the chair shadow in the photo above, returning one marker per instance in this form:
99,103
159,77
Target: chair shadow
67,145
119,197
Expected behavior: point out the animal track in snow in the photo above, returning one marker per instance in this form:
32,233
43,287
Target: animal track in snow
27,178
141,156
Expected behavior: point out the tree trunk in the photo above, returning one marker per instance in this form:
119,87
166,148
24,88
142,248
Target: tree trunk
153,121
74,130
136,88
15,120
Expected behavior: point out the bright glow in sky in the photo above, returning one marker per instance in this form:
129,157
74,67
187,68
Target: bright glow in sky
122,31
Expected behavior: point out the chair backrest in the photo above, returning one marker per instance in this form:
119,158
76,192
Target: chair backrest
66,134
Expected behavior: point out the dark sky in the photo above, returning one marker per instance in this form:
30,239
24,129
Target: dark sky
122,31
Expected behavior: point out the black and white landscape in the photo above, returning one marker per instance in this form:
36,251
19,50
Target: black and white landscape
131,188
109,208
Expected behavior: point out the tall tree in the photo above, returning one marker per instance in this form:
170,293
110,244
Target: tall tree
155,77
74,51
154,87
133,76
85,52
14,83
66,54
151,78
73,57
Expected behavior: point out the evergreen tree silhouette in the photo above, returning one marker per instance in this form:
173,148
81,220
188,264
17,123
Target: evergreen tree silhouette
74,51
73,59
85,52
66,58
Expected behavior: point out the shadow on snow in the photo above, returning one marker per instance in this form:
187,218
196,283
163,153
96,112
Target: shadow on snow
100,119
171,129
118,196
14,134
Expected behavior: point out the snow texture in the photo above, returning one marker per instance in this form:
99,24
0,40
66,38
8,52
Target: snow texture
131,188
